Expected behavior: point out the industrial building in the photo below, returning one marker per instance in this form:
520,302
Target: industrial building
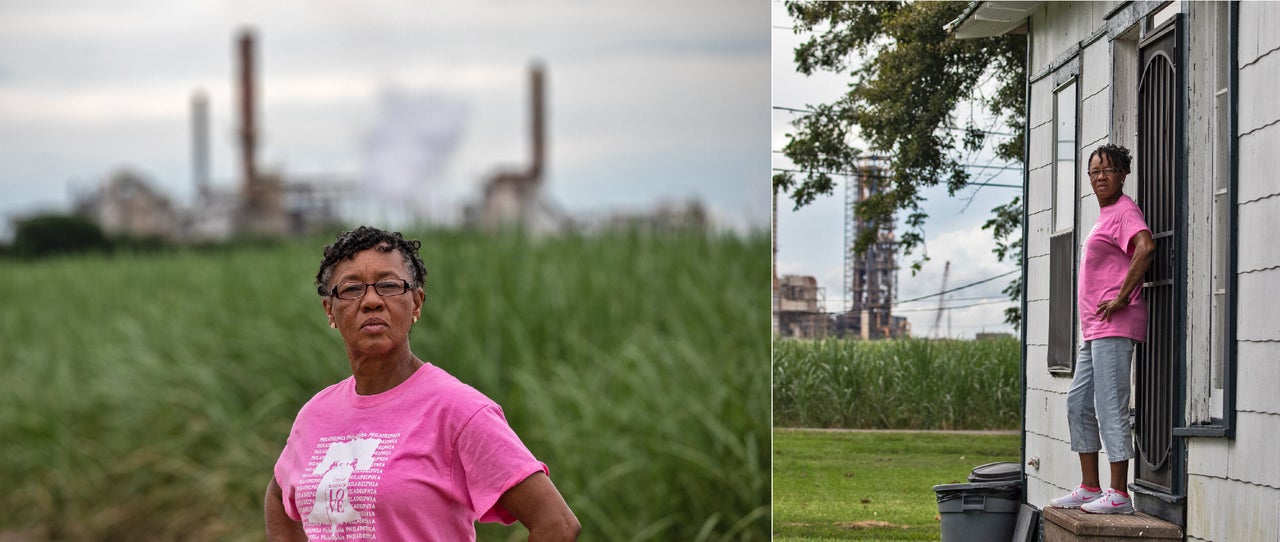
869,288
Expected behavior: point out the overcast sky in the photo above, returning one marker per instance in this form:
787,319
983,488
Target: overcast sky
811,241
648,101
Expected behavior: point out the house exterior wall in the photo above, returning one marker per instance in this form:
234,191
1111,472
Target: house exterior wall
1057,31
1233,486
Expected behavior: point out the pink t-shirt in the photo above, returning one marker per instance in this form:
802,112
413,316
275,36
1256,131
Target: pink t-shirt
424,461
1104,262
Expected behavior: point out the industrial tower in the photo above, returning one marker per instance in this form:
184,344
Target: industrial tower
869,278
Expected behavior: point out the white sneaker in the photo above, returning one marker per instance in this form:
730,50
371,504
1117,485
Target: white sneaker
1111,502
1077,498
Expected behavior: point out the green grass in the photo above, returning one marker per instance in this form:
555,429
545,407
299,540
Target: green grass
146,396
898,384
831,485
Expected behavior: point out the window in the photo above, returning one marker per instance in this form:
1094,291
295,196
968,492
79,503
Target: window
1062,247
1064,157
1212,380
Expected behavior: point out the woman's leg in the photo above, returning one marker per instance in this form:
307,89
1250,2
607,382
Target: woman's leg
1112,357
1082,420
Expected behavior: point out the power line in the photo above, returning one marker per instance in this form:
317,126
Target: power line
810,111
958,287
793,110
1007,167
931,309
786,170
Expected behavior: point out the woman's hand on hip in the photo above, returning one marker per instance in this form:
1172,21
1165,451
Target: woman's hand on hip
1110,306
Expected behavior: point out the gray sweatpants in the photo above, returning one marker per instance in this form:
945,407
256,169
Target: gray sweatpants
1098,403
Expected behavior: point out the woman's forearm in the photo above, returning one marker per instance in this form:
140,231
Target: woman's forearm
280,527
1142,257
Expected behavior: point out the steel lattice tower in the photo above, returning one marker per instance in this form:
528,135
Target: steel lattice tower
869,279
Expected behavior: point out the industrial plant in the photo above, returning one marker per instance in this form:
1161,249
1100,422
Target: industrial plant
869,289
275,204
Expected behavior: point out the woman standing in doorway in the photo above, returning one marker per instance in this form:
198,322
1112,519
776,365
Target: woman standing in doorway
1113,317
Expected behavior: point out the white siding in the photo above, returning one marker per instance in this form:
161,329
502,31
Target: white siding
1261,77
1259,162
1251,456
1037,311
1038,278
1041,140
1258,312
1062,25
1258,34
1234,485
1038,234
1040,193
1059,469
1224,510
1057,29
1259,222
1257,372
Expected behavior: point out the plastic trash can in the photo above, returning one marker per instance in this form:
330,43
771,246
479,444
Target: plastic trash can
979,511
1007,471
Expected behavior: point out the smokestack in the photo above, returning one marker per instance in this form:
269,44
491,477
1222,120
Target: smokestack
248,126
538,123
200,143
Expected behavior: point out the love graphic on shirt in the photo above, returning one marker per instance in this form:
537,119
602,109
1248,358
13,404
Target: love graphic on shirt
334,500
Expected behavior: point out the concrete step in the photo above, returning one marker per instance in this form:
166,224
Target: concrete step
1063,525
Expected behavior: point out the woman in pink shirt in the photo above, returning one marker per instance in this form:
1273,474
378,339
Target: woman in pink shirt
400,450
1113,316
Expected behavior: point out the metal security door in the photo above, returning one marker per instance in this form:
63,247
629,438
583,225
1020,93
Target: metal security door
1160,195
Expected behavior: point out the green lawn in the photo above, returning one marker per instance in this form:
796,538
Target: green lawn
831,485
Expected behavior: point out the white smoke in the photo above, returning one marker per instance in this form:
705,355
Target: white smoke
407,153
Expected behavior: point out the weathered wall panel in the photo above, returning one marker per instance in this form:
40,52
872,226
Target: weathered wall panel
1253,451
1038,323
1038,234
1259,81
1040,192
1041,140
1259,231
1226,510
1038,278
1059,470
1258,312
1257,375
1208,457
1259,163
1258,36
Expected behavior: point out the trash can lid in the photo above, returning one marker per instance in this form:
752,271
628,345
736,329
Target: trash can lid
1005,490
996,472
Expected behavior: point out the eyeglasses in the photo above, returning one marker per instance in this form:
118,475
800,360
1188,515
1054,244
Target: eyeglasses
351,291
1104,171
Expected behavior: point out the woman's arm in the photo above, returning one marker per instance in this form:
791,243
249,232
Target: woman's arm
538,505
280,527
1143,252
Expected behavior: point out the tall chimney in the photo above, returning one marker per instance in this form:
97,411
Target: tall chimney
538,123
200,143
248,127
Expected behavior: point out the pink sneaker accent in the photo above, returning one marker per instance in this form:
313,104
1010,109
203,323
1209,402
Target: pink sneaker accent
1077,498
1111,502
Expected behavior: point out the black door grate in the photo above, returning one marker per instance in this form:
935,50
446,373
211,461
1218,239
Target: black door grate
1158,194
